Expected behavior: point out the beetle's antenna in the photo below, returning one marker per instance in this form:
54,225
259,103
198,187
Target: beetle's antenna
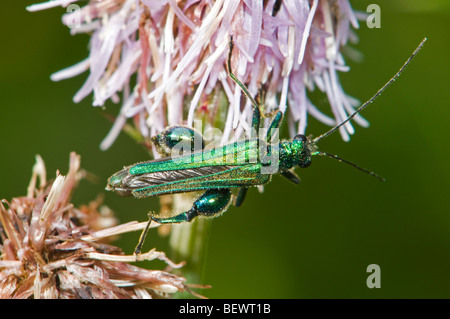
378,93
351,164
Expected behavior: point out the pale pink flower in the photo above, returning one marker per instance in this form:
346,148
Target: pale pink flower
166,59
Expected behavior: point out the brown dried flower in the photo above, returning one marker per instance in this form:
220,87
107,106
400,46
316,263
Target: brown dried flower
50,249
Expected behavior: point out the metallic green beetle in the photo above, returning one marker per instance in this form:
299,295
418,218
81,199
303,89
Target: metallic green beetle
217,171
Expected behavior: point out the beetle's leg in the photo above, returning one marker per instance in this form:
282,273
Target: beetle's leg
235,79
256,120
180,137
137,250
290,175
274,126
261,97
240,196
242,85
209,204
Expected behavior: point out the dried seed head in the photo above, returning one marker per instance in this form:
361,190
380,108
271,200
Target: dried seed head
50,249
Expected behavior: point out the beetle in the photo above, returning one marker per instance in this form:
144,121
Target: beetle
239,165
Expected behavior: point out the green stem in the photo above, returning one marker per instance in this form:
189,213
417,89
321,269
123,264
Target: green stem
189,241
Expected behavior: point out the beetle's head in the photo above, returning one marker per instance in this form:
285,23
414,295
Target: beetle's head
304,150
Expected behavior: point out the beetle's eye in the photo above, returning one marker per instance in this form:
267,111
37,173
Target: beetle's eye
300,137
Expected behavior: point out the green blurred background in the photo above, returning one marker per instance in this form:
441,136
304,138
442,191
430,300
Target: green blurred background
314,240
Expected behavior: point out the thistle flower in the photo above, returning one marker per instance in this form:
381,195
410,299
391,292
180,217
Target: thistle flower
164,61
176,52
50,249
